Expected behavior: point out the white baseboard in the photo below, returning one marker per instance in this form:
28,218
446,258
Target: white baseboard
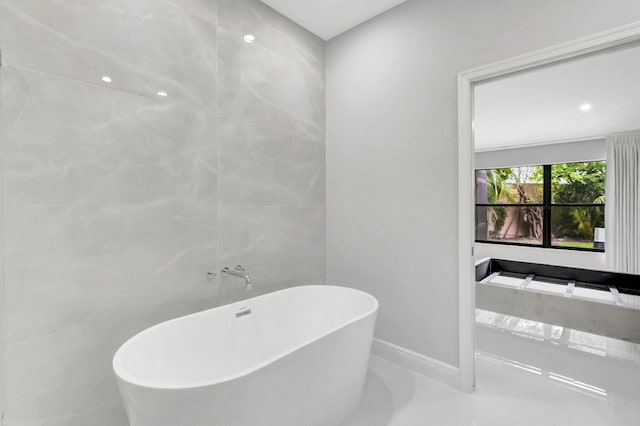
415,361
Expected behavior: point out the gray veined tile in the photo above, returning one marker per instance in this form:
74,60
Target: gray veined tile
111,192
264,88
263,166
108,414
204,9
74,381
69,143
68,267
272,30
205,179
144,46
276,244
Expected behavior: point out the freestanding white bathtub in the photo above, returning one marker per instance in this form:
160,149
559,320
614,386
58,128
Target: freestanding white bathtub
299,358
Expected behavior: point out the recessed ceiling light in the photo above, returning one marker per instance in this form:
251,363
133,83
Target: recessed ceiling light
249,38
163,94
585,107
106,79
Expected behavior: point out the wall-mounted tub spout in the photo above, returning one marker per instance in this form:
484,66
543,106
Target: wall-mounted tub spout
238,272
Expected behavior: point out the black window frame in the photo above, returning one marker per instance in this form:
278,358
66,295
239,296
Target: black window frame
547,206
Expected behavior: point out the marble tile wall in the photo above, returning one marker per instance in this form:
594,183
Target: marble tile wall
117,201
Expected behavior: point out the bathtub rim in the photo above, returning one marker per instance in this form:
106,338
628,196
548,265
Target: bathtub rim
130,379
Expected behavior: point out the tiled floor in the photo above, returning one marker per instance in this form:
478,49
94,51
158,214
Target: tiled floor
527,374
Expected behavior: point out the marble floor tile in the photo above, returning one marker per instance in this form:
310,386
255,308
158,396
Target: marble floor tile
541,389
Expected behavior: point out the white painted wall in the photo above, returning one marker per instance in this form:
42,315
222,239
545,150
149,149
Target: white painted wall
392,155
553,153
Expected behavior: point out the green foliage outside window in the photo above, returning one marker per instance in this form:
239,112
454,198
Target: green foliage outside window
497,190
578,183
511,201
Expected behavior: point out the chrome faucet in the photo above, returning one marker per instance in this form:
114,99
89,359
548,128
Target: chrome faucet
238,272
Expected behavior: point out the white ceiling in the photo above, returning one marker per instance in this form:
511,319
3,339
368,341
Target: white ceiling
328,18
543,106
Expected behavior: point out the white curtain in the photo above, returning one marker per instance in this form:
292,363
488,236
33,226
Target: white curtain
622,214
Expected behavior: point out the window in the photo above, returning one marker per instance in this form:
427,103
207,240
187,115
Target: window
555,206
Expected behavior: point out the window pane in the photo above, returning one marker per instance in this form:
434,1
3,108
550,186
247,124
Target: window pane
576,226
578,183
516,185
509,224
